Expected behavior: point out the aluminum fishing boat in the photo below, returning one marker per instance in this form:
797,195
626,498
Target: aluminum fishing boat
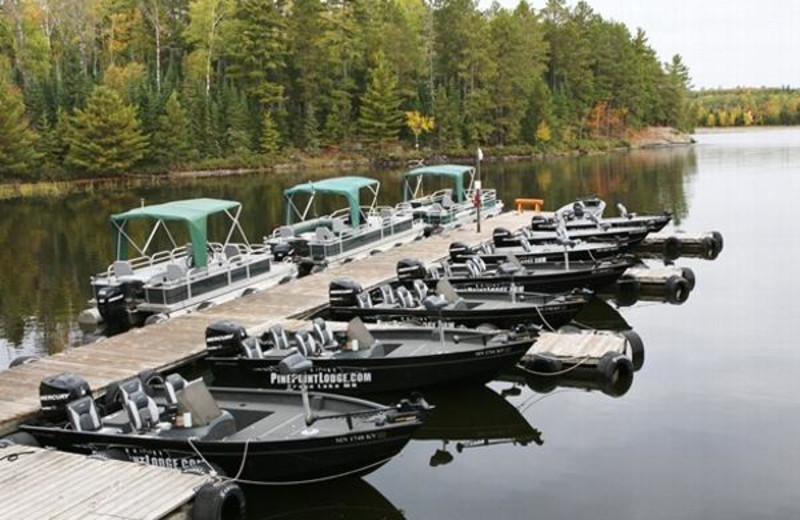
361,360
255,436
588,214
346,234
452,206
416,302
179,278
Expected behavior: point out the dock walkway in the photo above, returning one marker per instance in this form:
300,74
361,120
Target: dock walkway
38,483
172,343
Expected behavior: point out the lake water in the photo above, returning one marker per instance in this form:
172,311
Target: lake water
709,428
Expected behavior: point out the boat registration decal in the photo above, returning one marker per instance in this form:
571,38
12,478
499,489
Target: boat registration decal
492,351
162,459
360,437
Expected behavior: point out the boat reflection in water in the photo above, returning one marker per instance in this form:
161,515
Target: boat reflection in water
351,498
474,416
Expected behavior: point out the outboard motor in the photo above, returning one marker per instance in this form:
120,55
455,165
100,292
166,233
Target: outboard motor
56,392
410,269
502,237
540,222
111,303
280,251
225,337
459,252
343,293
577,210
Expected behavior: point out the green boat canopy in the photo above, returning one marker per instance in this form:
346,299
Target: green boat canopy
456,172
194,212
348,187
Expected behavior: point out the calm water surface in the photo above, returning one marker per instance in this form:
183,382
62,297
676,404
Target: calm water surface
709,428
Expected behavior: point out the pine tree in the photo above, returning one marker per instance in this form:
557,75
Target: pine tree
269,143
381,118
104,137
17,139
171,143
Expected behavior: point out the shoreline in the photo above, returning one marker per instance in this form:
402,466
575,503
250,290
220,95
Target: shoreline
643,139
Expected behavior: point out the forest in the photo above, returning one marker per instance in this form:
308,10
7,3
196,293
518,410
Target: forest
107,87
747,107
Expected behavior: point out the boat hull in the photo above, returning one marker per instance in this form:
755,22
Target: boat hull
373,375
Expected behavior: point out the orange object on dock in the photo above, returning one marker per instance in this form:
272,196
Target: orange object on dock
534,204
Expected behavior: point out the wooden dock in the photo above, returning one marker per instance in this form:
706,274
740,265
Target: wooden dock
172,343
38,483
586,347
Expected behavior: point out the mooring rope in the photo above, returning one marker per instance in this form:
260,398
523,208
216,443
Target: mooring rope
551,374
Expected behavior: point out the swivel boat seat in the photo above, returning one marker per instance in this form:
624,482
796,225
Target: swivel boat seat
324,336
278,336
142,411
83,416
251,348
406,300
306,345
172,385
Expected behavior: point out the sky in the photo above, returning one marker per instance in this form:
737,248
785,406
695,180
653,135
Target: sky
725,43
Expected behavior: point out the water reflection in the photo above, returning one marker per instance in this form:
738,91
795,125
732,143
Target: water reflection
352,498
51,246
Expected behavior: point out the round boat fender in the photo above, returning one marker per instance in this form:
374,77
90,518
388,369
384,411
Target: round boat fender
688,275
710,248
23,360
635,349
719,240
22,439
614,368
676,290
544,363
671,248
219,501
627,291
159,317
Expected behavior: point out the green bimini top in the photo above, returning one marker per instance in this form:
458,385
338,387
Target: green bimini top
456,172
348,187
194,212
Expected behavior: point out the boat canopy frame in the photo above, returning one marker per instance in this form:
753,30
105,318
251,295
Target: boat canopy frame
413,180
348,187
192,212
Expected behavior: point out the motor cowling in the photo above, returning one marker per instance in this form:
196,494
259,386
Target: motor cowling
502,237
225,337
343,292
281,250
540,223
111,302
56,392
411,269
459,252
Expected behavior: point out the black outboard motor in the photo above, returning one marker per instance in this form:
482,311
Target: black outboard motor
343,292
503,238
540,222
410,269
111,303
459,252
56,392
225,337
281,250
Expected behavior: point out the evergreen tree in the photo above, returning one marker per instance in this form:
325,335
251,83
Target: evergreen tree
269,143
104,137
170,143
17,139
381,118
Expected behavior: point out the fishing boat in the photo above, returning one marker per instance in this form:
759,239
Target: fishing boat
361,360
551,277
588,214
254,436
624,236
348,233
159,283
452,206
420,304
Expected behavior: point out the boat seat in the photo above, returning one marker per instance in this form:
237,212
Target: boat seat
324,234
83,416
421,289
172,385
324,334
434,302
174,273
278,336
122,268
286,232
364,300
306,344
130,386
339,226
251,349
231,251
526,246
447,200
480,263
387,294
142,411
406,300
